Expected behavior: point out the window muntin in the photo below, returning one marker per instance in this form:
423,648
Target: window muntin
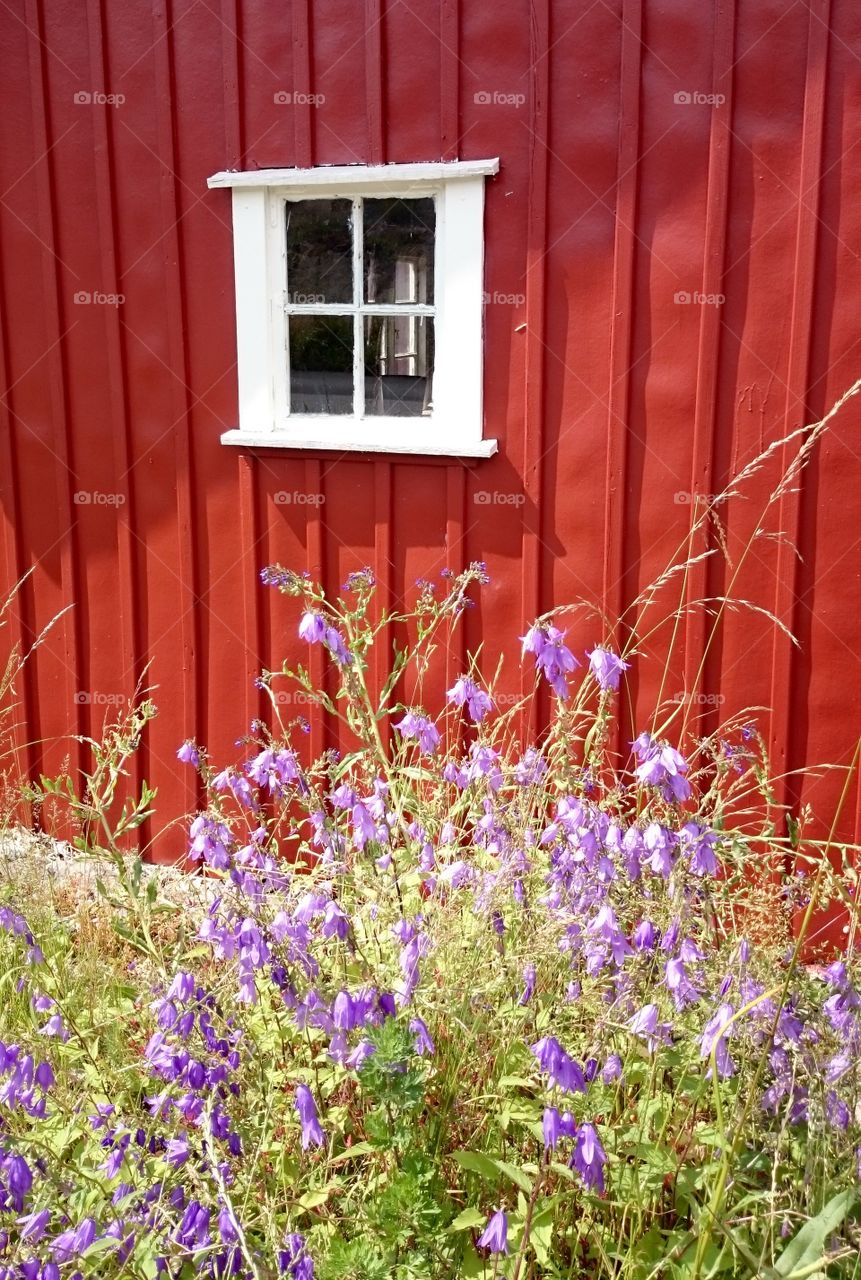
359,306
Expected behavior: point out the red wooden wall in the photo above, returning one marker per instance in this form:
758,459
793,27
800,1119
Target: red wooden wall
608,396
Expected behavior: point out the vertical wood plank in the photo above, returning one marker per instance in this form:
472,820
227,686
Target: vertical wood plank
75,718
191,712
697,623
130,639
622,310
783,692
533,418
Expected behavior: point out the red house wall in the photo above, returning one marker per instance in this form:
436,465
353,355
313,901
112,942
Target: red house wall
607,396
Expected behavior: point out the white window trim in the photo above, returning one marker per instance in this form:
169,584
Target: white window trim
259,255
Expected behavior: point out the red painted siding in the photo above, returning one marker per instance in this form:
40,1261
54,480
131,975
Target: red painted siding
607,396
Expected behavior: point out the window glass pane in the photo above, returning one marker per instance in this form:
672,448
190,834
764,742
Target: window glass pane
321,364
398,366
319,251
398,250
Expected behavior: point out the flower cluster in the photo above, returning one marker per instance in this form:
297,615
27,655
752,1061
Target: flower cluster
440,989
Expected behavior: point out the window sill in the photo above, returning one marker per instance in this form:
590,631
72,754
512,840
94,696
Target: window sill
311,444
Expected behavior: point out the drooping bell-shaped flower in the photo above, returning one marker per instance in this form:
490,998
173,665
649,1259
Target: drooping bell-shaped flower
495,1234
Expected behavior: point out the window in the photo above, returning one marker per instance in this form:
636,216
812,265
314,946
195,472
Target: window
359,307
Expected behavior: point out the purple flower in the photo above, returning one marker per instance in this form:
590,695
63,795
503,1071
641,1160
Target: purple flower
189,753
176,1151
529,977
312,628
44,1075
343,1013
552,1127
612,1069
72,1243
34,1225
530,769
293,1259
662,767
561,1069
55,1026
713,1034
364,827
495,1234
589,1157
659,843
363,1050
336,922
478,703
307,1109
337,646
606,667
421,728
645,1025
424,1043
683,990
643,936
699,844
552,657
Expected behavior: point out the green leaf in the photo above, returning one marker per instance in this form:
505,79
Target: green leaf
313,1199
477,1162
517,1176
806,1247
468,1219
352,1153
489,1168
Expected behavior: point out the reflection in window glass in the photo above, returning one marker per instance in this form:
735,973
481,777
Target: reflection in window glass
319,251
321,364
398,250
398,366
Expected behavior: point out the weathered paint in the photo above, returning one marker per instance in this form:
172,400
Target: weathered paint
607,396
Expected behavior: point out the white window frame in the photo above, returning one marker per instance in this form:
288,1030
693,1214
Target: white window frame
455,426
